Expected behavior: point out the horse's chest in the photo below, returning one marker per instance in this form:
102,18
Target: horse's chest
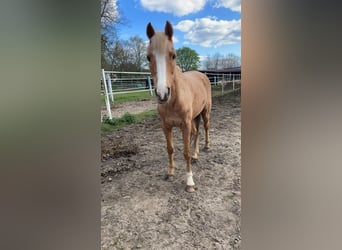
172,118
174,121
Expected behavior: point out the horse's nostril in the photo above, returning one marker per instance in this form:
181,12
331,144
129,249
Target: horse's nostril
164,96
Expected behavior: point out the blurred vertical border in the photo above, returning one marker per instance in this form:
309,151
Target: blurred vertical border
291,125
50,124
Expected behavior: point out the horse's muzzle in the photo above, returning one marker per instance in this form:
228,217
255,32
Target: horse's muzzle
163,98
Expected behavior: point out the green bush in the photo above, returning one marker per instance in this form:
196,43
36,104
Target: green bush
110,124
128,118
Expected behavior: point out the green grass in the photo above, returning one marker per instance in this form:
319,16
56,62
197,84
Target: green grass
108,125
120,98
138,96
213,94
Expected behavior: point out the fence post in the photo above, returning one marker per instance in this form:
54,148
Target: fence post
109,82
109,112
150,85
233,81
222,82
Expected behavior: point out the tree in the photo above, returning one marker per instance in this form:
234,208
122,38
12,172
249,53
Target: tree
109,13
104,53
111,18
138,49
120,57
208,63
128,55
230,61
217,61
187,59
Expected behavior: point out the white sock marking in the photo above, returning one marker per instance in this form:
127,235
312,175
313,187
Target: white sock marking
189,180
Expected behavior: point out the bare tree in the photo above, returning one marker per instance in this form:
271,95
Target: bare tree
208,63
128,55
109,13
230,61
217,61
111,18
138,49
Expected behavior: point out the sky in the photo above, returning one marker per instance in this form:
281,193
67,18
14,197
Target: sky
206,26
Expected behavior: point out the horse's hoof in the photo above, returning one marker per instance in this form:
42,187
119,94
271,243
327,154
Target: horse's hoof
169,178
206,150
190,189
194,160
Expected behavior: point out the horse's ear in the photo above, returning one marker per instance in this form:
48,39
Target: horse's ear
168,30
149,31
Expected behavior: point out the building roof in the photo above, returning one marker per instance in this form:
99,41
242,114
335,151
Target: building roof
226,70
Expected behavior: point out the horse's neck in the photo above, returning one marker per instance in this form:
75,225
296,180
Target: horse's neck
176,87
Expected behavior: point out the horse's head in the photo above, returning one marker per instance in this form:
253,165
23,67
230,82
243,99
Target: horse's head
161,56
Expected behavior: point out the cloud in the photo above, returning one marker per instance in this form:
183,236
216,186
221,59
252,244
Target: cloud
185,25
176,7
234,5
210,32
175,39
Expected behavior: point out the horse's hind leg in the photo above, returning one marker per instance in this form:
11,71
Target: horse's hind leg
206,120
195,133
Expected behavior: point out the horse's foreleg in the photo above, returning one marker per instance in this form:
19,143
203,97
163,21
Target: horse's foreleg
186,132
169,144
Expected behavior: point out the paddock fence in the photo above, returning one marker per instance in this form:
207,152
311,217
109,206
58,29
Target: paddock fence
119,83
222,82
114,83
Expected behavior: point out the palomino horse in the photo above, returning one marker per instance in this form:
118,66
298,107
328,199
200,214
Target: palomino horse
182,98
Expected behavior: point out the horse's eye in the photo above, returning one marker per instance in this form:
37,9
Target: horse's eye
148,58
174,56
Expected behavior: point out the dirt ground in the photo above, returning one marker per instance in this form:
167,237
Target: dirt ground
130,107
140,210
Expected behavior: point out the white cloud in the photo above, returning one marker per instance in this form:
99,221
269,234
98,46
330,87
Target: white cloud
210,32
234,5
176,7
185,25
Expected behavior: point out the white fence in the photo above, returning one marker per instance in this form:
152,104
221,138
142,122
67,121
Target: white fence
117,82
224,79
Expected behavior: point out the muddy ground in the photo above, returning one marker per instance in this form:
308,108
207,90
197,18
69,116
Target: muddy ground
140,210
120,109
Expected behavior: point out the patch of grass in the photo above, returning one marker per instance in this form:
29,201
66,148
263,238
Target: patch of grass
213,94
120,98
109,125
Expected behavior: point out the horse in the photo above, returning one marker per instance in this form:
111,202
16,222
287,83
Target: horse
182,98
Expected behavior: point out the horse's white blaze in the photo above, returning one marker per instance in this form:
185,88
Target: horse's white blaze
161,75
189,180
